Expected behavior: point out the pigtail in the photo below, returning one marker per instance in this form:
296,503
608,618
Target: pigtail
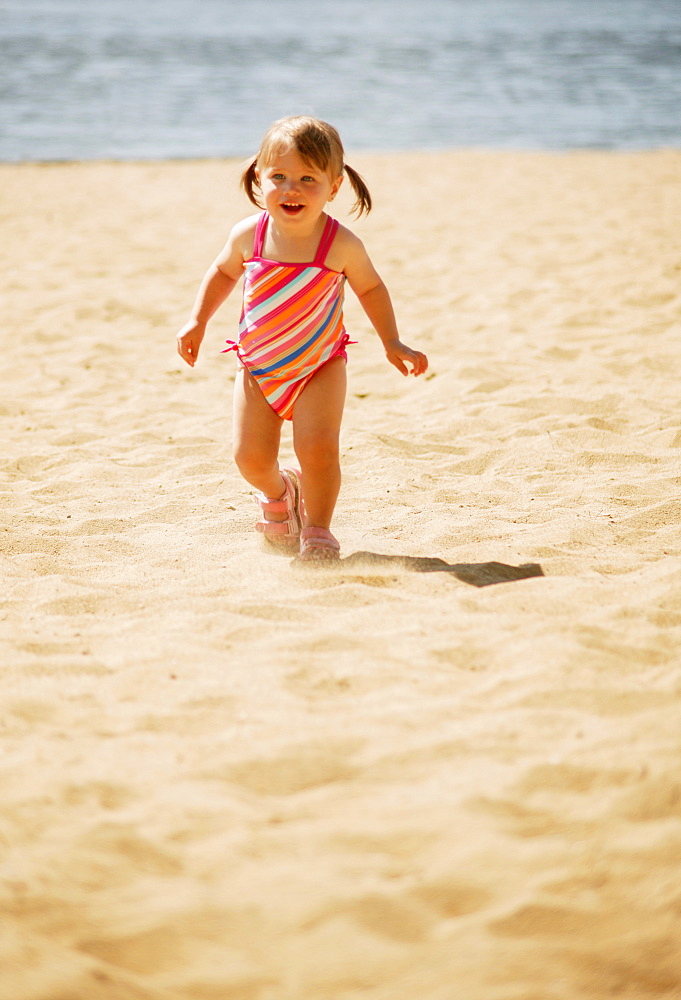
249,181
363,200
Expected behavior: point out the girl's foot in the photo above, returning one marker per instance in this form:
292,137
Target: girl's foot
318,545
282,533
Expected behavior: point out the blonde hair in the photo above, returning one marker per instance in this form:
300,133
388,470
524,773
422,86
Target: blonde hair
316,142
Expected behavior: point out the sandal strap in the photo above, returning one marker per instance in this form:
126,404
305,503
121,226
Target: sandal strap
270,506
273,527
318,538
290,504
321,533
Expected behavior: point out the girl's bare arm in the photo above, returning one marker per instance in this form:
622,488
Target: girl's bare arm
374,298
218,282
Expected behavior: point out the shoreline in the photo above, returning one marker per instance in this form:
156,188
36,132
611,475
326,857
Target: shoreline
354,151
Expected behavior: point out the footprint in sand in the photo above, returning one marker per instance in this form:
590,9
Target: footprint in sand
312,765
658,799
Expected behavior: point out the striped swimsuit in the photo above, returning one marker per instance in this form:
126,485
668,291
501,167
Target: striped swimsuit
291,322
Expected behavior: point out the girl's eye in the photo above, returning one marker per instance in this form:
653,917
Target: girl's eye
277,177
306,178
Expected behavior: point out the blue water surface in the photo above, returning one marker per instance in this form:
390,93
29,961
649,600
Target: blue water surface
153,79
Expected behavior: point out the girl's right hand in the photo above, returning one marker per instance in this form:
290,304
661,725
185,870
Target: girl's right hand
189,341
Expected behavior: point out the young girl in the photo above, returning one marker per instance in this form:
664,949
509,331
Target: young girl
291,346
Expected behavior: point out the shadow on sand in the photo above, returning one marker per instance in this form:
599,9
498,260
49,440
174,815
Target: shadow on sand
476,574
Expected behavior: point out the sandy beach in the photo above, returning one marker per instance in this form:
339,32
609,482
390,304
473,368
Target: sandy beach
447,769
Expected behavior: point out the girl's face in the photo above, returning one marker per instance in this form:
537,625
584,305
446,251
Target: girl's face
294,192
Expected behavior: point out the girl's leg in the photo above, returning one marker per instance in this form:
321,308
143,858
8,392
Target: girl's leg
257,432
316,430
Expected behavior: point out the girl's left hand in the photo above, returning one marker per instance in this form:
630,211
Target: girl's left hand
398,353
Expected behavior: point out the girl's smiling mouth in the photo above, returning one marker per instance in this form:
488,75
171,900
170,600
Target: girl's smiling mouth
292,207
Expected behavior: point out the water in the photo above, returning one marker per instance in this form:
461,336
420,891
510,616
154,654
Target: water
127,79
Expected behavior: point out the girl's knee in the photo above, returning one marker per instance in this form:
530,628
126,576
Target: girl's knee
318,453
251,464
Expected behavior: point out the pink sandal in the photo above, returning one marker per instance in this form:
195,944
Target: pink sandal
318,545
284,534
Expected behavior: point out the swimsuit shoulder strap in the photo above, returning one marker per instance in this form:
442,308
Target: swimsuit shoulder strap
259,239
328,236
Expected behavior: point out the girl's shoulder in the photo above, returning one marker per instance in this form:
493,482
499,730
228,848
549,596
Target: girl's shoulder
238,248
345,236
346,248
243,235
